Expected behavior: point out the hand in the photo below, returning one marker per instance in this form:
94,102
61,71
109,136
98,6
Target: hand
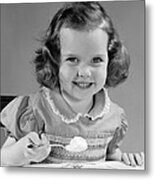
35,149
133,159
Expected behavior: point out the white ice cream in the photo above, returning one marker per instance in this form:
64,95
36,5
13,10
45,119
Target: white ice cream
77,144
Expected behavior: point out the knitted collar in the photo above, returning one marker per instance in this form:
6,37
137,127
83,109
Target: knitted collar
61,108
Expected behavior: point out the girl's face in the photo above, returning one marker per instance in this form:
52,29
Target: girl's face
84,59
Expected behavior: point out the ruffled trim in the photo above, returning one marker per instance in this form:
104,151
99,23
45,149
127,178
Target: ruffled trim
77,117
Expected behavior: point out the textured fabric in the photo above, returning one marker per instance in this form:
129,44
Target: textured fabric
103,132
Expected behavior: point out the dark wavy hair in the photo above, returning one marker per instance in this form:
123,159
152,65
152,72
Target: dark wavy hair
81,16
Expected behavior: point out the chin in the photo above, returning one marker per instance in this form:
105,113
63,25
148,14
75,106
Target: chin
82,96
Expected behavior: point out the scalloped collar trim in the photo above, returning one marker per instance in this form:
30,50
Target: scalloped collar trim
65,112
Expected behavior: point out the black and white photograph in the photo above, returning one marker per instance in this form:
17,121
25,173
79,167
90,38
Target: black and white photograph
73,85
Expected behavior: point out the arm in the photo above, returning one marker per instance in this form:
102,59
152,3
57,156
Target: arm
132,159
9,150
115,156
113,151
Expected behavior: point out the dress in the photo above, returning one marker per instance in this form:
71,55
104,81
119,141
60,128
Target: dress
103,128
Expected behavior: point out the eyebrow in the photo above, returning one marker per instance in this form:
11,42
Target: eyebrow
75,55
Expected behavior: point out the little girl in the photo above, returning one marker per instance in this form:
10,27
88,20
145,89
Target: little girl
71,117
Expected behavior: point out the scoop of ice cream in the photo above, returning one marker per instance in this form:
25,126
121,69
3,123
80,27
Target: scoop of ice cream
77,144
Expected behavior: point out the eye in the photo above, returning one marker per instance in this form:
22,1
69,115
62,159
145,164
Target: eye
72,60
97,60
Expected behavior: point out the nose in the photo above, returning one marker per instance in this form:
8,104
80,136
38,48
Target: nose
84,72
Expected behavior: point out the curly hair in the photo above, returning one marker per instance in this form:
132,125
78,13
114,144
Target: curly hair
83,16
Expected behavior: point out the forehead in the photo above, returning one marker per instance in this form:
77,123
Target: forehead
75,41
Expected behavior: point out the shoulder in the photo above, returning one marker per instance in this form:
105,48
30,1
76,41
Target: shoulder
13,107
18,117
116,108
19,103
117,113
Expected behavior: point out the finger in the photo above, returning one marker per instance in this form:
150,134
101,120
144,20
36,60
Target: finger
42,148
30,154
44,139
125,158
35,151
40,153
34,138
132,159
142,156
138,159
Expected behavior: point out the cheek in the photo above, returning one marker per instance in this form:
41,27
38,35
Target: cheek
101,75
66,73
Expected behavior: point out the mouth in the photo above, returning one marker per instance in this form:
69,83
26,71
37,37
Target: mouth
83,85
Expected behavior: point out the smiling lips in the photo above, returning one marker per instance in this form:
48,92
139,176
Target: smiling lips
83,84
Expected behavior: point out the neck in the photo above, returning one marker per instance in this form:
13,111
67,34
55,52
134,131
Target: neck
78,105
